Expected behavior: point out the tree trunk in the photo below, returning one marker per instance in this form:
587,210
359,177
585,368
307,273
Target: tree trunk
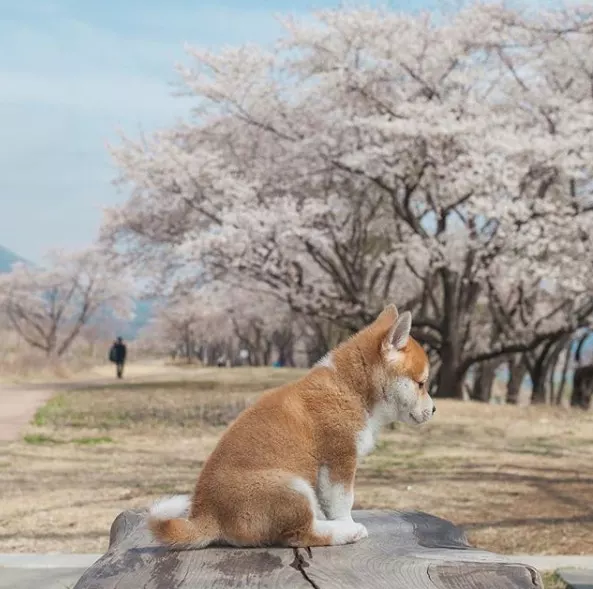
449,382
187,345
267,353
582,387
283,341
539,371
554,391
484,381
517,372
289,353
538,380
564,378
582,378
286,353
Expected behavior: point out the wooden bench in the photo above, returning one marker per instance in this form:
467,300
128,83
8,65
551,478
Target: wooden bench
404,550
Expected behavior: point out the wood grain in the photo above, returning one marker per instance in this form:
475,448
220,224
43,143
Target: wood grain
476,576
405,550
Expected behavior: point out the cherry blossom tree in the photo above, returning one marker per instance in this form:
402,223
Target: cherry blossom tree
171,330
50,305
184,324
215,321
444,163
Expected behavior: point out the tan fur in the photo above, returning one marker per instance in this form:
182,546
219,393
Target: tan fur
250,491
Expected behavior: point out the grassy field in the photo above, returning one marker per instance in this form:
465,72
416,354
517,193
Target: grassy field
518,480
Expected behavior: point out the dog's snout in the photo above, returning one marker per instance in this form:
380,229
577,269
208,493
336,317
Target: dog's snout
434,409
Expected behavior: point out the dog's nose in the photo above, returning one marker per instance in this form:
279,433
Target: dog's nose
434,409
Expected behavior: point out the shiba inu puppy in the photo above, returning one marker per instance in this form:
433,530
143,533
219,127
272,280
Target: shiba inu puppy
283,473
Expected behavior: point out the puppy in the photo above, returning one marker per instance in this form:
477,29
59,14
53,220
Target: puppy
283,472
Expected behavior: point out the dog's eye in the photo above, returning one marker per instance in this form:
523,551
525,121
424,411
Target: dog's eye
421,384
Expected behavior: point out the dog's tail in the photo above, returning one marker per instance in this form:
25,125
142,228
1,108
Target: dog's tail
169,523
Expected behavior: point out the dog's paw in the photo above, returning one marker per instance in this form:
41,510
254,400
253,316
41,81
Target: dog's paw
355,533
341,532
360,532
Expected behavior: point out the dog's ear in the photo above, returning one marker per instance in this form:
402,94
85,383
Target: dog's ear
386,322
398,332
401,333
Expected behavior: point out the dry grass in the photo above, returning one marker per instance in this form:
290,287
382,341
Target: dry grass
519,480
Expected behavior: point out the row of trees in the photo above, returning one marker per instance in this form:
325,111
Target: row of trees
208,327
187,331
443,162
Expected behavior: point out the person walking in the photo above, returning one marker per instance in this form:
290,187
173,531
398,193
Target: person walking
117,355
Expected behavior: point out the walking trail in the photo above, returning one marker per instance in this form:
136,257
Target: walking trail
19,402
17,407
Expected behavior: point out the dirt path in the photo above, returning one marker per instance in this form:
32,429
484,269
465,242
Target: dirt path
18,402
17,407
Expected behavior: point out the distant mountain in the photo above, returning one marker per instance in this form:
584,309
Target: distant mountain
7,259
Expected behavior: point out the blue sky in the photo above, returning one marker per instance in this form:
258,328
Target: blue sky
73,73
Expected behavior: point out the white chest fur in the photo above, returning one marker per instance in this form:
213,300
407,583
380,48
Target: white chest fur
367,436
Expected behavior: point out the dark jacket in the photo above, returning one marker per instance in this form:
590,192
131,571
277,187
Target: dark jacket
117,353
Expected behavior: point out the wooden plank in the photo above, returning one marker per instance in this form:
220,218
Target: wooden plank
477,576
407,550
402,551
134,561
